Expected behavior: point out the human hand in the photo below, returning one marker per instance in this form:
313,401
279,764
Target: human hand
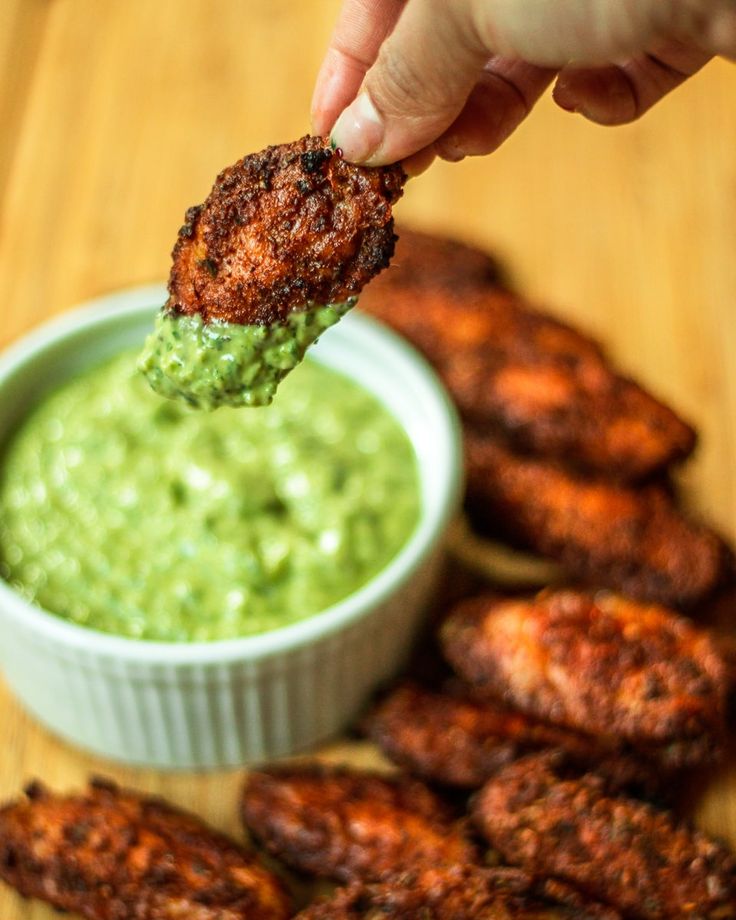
452,78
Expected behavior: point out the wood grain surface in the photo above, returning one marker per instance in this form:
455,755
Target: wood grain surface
117,115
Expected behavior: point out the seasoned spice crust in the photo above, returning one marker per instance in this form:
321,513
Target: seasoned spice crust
618,850
458,893
286,227
350,824
459,741
110,854
596,662
519,373
632,540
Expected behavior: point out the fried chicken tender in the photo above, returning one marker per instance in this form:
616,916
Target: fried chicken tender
458,893
346,824
632,540
529,378
111,853
289,226
618,850
598,663
459,741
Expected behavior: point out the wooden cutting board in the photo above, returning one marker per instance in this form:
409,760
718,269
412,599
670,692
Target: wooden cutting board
117,116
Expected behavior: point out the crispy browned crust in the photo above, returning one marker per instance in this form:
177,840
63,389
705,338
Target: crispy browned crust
110,854
633,540
458,893
531,379
599,663
347,824
459,741
618,850
289,226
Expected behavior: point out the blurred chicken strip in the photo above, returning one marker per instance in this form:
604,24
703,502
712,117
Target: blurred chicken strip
620,851
525,376
595,662
632,540
346,824
458,893
111,853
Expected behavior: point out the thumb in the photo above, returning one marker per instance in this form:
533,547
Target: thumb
423,75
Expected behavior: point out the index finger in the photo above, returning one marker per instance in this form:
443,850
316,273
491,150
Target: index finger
360,31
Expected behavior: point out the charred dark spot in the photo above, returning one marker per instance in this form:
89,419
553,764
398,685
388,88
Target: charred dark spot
363,902
313,160
303,187
104,783
8,858
77,833
35,790
73,880
190,218
209,266
653,688
159,875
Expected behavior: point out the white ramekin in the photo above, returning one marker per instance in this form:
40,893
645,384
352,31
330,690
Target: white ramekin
238,700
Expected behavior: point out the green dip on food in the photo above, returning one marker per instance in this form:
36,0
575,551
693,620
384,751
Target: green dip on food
214,364
146,519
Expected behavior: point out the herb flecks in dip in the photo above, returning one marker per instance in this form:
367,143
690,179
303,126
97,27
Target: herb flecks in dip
217,363
146,519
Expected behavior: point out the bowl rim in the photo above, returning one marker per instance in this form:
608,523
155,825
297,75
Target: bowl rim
435,515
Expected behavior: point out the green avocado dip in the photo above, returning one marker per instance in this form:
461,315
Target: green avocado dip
214,364
146,519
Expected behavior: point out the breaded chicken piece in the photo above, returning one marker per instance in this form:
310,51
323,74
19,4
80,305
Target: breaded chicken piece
598,663
286,227
632,540
618,850
458,893
110,853
531,379
346,824
459,741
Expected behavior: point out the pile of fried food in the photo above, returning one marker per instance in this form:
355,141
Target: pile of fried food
534,775
564,456
526,789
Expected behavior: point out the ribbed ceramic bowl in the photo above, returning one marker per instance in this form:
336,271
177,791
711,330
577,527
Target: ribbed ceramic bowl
229,702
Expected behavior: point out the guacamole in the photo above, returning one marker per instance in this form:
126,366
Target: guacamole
214,364
145,518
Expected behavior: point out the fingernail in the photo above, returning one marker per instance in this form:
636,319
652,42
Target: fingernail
326,89
450,149
358,132
564,97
